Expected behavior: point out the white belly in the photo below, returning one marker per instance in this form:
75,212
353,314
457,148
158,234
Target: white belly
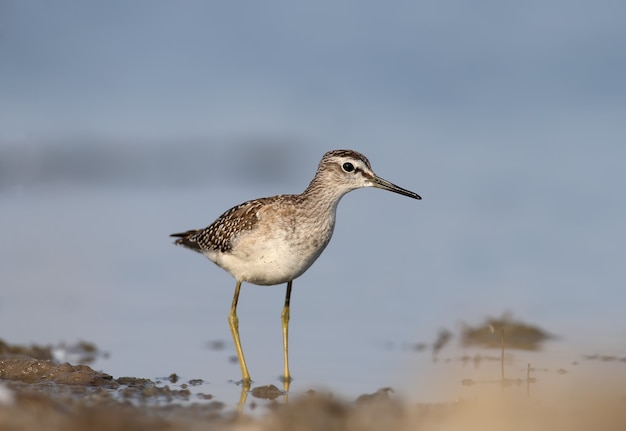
277,259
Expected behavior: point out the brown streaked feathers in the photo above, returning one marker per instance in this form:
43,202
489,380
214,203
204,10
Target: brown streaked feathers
222,232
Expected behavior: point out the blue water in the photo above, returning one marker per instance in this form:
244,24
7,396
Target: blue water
94,262
507,120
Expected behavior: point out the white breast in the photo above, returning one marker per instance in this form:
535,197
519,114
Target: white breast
273,256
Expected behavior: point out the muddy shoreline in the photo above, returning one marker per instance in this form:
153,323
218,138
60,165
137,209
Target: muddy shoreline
38,393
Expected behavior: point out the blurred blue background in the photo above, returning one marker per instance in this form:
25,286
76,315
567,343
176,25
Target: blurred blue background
122,122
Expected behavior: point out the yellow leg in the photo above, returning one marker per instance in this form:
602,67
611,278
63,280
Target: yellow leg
245,388
233,321
285,321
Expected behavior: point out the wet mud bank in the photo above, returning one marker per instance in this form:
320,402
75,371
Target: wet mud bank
38,393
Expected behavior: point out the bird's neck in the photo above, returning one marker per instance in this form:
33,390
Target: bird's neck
322,196
320,201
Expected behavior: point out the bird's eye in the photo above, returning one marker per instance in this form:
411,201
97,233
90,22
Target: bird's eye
348,167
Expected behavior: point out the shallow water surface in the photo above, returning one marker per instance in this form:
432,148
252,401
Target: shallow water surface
98,265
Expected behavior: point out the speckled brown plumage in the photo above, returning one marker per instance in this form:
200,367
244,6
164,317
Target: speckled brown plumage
220,234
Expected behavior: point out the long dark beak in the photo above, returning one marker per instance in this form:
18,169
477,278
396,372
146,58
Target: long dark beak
386,185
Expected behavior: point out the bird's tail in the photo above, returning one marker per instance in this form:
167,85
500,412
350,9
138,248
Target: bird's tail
183,236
